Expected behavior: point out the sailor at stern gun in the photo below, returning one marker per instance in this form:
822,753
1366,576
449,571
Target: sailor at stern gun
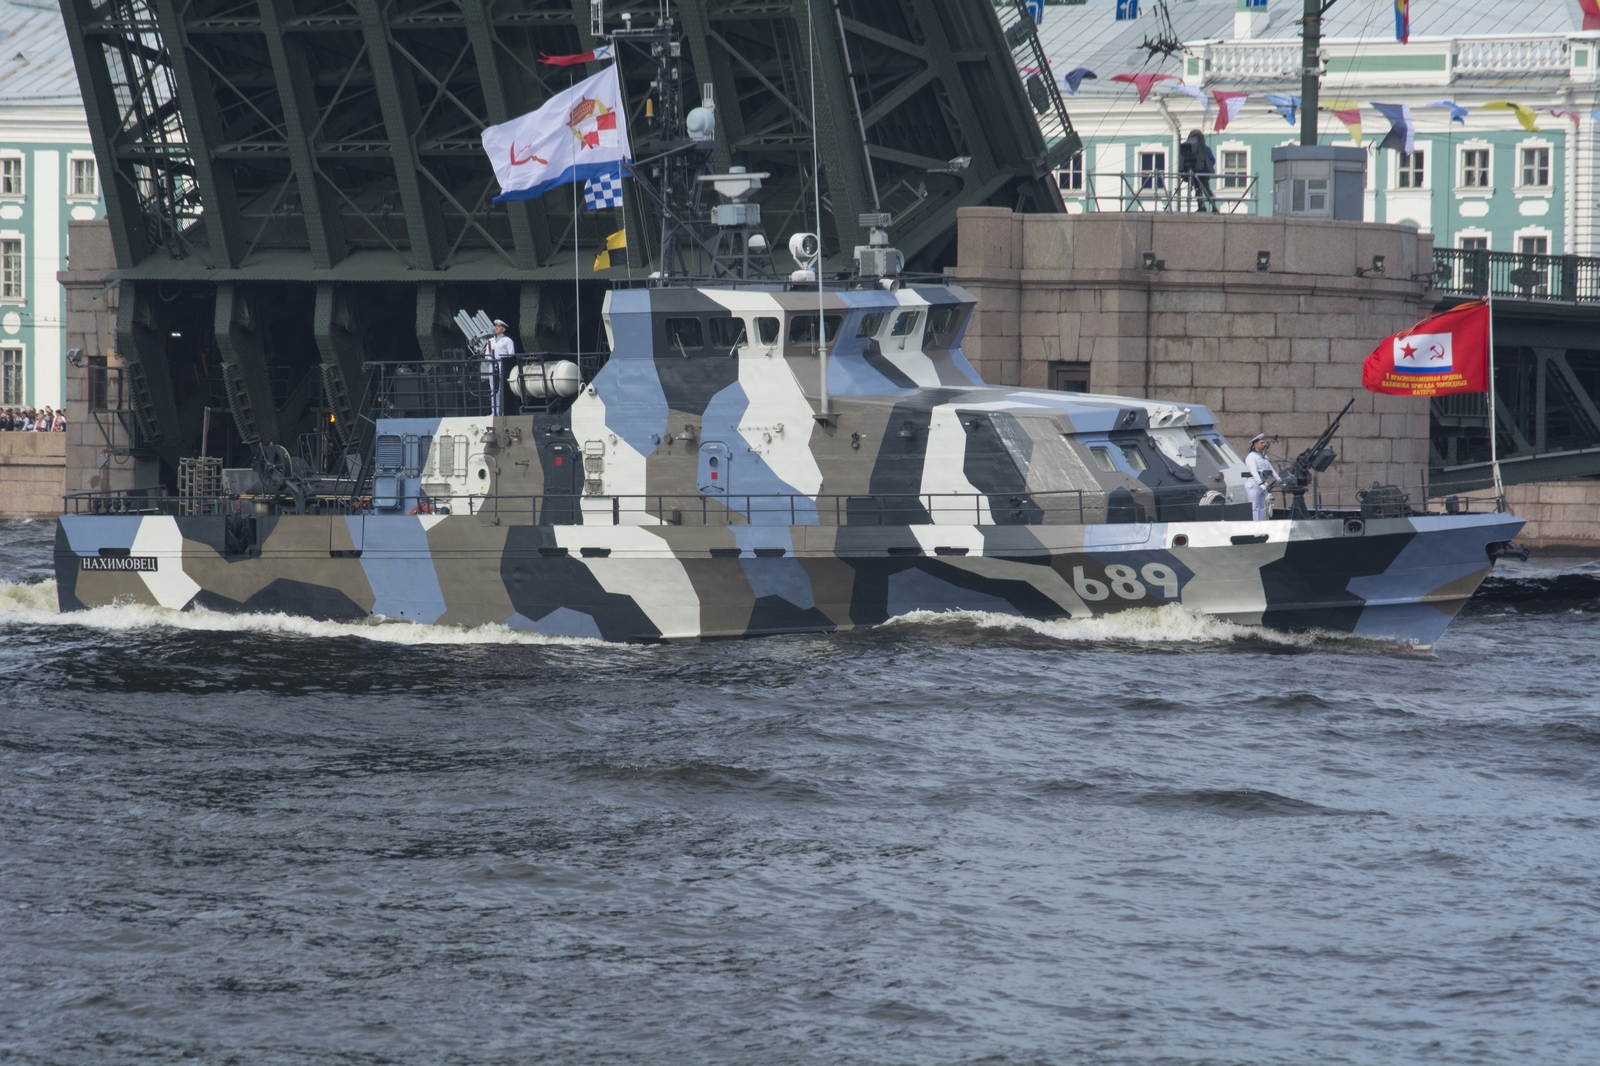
1259,469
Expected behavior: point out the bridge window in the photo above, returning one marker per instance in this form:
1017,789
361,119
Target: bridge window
803,328
728,334
870,324
941,321
1102,458
684,333
905,323
768,329
1134,456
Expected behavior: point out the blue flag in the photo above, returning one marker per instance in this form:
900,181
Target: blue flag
1457,112
1287,106
1074,78
1402,133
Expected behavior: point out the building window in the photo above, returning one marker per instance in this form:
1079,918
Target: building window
84,181
1475,168
11,376
1235,169
1474,244
1152,170
11,176
10,270
1534,245
1071,177
1535,167
1413,170
1069,377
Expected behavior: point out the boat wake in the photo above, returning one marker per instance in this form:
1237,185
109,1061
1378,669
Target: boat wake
1169,624
34,604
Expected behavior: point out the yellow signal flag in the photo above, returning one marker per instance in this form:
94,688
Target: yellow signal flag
616,253
1525,115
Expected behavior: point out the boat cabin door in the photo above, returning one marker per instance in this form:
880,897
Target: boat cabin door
715,460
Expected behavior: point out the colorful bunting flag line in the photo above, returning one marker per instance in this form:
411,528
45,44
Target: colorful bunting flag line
1143,82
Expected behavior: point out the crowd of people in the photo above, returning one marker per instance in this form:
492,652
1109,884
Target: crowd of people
41,420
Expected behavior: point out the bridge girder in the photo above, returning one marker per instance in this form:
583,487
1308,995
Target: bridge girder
316,143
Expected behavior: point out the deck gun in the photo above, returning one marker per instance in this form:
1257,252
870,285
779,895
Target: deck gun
1314,460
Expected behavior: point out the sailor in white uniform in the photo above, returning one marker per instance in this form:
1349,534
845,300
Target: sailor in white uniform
1262,475
502,349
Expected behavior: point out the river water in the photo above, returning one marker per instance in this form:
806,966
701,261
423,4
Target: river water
1156,839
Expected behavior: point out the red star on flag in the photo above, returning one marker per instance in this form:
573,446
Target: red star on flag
1408,352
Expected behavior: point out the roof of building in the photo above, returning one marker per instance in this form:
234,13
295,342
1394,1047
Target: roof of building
35,60
1090,35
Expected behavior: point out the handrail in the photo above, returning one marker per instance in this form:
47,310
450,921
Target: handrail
1056,507
1568,279
1170,191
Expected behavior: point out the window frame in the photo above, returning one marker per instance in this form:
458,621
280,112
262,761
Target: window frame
22,268
1462,189
1547,189
1151,178
1227,179
1402,171
1075,170
21,352
22,176
73,158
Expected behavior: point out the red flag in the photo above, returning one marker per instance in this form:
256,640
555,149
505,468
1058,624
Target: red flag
1228,105
1143,82
605,51
1591,14
1443,354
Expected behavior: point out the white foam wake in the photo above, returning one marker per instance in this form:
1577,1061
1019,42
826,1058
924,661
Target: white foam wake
35,604
1168,624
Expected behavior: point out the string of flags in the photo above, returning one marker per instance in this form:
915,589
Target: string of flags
1402,126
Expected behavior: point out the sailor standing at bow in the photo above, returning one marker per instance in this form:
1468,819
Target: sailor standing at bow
502,350
1261,475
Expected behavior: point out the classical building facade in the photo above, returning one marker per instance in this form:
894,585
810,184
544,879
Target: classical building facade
48,177
1476,177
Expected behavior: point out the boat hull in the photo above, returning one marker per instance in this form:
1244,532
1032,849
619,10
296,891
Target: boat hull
1391,579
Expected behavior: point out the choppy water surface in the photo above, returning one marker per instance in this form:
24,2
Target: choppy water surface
1152,840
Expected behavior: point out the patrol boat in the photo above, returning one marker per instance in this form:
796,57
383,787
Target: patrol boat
704,482
763,454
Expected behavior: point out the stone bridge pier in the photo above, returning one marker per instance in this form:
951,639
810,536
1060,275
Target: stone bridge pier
1264,320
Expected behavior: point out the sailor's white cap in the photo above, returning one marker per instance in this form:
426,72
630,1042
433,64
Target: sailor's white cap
501,322
1258,436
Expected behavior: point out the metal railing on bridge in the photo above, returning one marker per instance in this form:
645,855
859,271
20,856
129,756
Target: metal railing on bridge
1172,191
1568,279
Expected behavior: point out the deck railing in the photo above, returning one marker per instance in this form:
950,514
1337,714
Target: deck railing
1067,507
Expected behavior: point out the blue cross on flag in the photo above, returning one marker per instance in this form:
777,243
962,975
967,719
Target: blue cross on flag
604,190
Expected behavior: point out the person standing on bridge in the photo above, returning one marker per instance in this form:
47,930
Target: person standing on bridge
502,349
1261,475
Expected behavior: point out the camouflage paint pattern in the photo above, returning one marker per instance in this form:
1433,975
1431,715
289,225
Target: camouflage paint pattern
692,491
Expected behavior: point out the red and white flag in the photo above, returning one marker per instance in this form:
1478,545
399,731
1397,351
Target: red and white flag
1228,105
1443,354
